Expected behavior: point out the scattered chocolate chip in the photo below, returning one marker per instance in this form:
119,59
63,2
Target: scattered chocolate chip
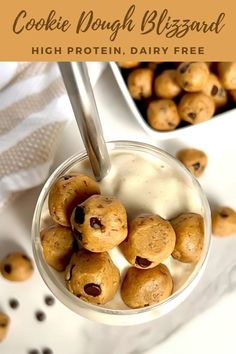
95,223
92,289
192,115
47,351
3,324
196,166
49,300
13,303
214,90
65,178
33,351
79,215
7,268
170,124
142,262
40,316
224,215
145,305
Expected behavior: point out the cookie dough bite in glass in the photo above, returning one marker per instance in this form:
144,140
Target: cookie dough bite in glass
215,90
4,325
140,83
142,288
189,231
163,115
57,243
66,193
151,240
165,84
227,74
101,223
196,108
128,64
192,77
93,277
194,160
16,266
223,221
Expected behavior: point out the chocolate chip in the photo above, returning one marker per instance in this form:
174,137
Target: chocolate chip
40,316
79,215
33,351
214,90
224,214
47,351
13,303
196,166
95,223
192,115
49,300
3,324
7,268
92,289
142,262
65,178
145,305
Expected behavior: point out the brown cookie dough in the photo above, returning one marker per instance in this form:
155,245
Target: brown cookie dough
142,288
165,84
4,325
57,243
192,77
215,90
16,266
66,193
140,83
196,107
150,241
189,229
93,277
223,221
163,115
227,74
102,222
128,64
195,160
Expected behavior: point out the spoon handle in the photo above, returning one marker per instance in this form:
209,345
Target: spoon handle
80,92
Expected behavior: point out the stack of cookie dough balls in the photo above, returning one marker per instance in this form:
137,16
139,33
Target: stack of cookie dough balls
173,95
86,228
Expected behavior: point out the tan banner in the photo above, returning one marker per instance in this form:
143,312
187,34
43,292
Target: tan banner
103,30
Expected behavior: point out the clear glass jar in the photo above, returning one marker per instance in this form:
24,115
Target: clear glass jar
105,314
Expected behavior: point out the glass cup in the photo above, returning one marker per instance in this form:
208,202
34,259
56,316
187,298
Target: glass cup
185,276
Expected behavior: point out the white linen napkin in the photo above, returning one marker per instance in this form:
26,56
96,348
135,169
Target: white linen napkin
34,108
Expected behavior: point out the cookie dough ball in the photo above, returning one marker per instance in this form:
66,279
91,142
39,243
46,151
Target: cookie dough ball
223,221
57,242
140,83
196,107
93,277
102,222
215,90
192,77
227,75
142,288
165,85
66,193
232,94
195,160
163,115
189,231
150,241
128,64
4,325
16,266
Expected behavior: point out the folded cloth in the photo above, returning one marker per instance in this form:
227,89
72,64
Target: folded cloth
34,108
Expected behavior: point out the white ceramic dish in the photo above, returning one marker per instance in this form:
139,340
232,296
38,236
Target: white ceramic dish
142,122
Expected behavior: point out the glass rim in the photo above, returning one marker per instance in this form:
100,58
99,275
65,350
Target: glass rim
44,269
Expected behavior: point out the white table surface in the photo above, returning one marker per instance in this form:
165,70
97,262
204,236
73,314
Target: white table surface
66,333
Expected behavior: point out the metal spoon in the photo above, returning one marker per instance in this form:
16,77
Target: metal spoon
80,92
